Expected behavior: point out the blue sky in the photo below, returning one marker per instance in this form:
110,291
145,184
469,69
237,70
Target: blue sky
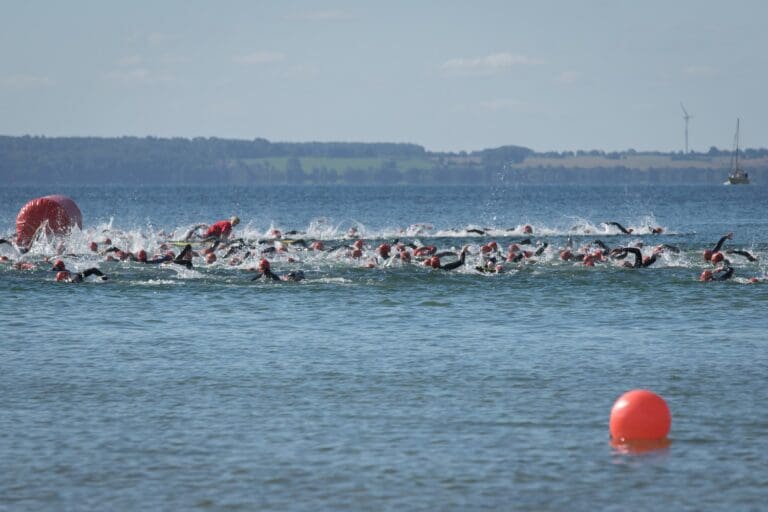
549,75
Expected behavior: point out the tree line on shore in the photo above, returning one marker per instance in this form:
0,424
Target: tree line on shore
32,160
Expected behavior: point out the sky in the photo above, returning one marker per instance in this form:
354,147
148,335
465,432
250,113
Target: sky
448,75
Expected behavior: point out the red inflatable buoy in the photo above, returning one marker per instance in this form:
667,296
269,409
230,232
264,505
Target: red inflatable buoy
58,213
640,415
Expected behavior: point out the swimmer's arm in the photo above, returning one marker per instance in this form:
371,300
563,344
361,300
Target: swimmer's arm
94,272
619,226
638,256
722,240
743,253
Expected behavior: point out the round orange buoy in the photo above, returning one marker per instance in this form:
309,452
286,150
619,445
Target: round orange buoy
640,415
56,213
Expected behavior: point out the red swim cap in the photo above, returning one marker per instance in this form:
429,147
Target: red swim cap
527,229
566,255
210,258
434,262
62,275
717,257
358,244
263,265
706,276
142,255
93,246
58,265
646,260
317,245
383,250
486,248
357,253
754,280
708,255
108,241
405,256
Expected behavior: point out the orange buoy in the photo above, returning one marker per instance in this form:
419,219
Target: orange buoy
640,415
57,213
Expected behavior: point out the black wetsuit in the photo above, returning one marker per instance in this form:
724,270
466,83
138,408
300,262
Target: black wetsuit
723,274
720,243
455,264
184,257
743,253
267,274
639,263
621,228
80,276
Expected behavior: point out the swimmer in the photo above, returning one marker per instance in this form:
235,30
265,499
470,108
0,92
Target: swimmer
218,231
709,253
620,227
434,261
184,257
78,277
266,272
720,274
640,261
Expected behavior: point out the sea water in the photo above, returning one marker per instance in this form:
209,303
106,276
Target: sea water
389,388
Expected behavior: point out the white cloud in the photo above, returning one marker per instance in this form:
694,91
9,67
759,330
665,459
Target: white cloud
489,64
257,58
138,76
700,71
130,61
498,104
24,81
569,77
319,16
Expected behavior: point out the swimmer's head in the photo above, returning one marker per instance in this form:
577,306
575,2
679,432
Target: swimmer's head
62,275
383,250
263,265
210,258
706,276
527,229
142,256
717,257
358,244
58,265
357,253
317,245
434,262
234,220
646,261
93,246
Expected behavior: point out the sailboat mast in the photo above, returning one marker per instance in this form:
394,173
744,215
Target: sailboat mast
737,142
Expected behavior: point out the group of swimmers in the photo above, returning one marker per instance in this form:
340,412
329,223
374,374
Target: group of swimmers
216,242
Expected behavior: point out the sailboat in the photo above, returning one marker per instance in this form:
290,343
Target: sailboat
737,176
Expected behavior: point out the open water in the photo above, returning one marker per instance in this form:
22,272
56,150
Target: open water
390,388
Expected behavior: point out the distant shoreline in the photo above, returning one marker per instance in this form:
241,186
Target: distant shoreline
28,160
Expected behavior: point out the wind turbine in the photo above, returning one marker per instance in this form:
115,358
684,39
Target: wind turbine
686,117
